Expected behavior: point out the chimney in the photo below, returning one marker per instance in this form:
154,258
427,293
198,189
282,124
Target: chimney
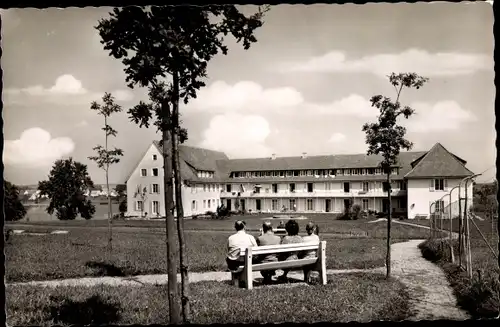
273,156
304,155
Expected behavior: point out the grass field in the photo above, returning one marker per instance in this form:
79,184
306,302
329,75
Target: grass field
82,253
345,298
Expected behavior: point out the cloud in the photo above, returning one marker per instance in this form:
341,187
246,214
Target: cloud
337,138
443,116
36,148
66,90
414,60
353,105
238,135
221,97
83,123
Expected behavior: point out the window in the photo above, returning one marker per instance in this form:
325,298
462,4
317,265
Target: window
228,188
370,171
354,171
293,205
144,172
155,171
439,206
403,203
310,206
332,172
256,189
208,204
363,171
292,187
204,187
347,172
296,173
204,204
289,173
155,209
366,186
276,173
303,173
309,173
218,203
395,171
213,202
439,184
138,205
310,187
275,188
315,172
156,188
365,204
155,157
378,171
193,205
274,204
328,186
347,187
282,173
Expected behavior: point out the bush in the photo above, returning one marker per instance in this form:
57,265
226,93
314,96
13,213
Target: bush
14,209
123,207
355,212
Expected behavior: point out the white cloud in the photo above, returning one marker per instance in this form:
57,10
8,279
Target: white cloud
353,105
337,138
238,135
245,96
442,116
83,123
414,60
66,90
36,148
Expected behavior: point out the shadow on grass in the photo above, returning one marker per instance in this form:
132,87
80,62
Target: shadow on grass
94,310
106,269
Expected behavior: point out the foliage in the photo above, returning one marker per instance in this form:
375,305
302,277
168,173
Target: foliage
121,189
385,137
65,188
485,198
123,207
14,209
217,302
356,212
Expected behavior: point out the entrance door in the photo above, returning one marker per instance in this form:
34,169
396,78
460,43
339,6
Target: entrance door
243,208
346,203
328,205
228,204
257,205
385,206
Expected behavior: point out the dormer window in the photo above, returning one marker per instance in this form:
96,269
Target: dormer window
155,157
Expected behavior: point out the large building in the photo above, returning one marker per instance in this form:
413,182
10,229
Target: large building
302,184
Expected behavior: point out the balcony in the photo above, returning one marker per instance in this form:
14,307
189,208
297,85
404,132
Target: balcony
315,194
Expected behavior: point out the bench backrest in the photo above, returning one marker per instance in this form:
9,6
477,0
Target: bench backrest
281,248
276,231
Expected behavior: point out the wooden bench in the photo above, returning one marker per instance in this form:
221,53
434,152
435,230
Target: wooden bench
244,273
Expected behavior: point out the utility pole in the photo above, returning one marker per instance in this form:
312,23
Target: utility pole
451,225
468,256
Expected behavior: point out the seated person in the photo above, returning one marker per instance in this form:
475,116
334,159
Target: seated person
292,229
312,237
268,238
236,242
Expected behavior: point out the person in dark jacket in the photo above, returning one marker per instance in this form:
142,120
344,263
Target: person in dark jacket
268,238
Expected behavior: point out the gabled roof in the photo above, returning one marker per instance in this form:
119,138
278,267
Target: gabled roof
194,159
438,162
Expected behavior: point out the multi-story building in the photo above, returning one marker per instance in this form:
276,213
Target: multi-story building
302,184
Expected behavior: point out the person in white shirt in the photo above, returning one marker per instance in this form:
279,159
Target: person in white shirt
312,237
236,242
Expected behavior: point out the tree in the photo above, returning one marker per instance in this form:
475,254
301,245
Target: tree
106,157
65,188
387,138
177,41
14,209
121,189
142,194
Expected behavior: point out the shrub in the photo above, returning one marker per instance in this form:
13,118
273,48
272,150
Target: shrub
123,207
14,209
355,212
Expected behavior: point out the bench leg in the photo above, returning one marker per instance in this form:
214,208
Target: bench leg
247,270
235,279
322,263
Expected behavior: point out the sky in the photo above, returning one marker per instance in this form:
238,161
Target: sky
303,87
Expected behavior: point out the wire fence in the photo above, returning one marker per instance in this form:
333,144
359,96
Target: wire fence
472,235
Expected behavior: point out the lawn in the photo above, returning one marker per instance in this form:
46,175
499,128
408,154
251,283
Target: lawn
37,213
345,298
83,253
328,223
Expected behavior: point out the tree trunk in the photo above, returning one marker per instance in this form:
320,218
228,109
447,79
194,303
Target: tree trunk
389,220
110,215
186,310
173,292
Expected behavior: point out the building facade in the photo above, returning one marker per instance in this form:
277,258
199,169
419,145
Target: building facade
303,184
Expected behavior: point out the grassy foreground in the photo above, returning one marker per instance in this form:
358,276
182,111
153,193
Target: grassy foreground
345,298
480,296
83,253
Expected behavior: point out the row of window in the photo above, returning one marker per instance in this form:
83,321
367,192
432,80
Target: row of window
314,172
346,186
154,172
205,174
155,207
310,204
207,204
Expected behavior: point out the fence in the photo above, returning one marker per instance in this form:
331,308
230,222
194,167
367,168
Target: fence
472,237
